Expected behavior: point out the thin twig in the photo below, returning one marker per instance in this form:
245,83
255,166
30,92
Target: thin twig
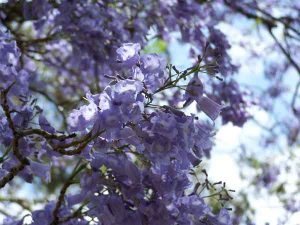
63,191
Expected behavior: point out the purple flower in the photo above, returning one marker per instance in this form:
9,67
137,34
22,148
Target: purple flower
268,176
82,118
194,92
74,199
41,170
43,216
45,125
236,111
292,205
11,221
126,91
153,67
128,54
209,107
111,210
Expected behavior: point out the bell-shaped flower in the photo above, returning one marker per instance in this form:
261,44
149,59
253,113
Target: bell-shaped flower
195,91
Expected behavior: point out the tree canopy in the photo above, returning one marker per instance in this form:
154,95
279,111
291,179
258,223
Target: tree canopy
99,126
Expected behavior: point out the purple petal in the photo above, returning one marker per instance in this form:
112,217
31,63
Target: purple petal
41,170
45,125
209,107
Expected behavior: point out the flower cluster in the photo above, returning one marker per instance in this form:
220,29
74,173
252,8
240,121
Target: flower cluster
137,158
78,39
236,102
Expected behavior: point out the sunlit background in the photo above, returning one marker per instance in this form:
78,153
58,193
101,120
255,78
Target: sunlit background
231,141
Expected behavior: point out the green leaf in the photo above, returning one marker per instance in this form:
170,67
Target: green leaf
258,21
103,169
156,46
279,189
254,163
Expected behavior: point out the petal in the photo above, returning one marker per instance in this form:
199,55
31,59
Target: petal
41,170
209,107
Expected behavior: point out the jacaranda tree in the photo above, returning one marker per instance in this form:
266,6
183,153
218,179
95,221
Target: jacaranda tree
104,128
